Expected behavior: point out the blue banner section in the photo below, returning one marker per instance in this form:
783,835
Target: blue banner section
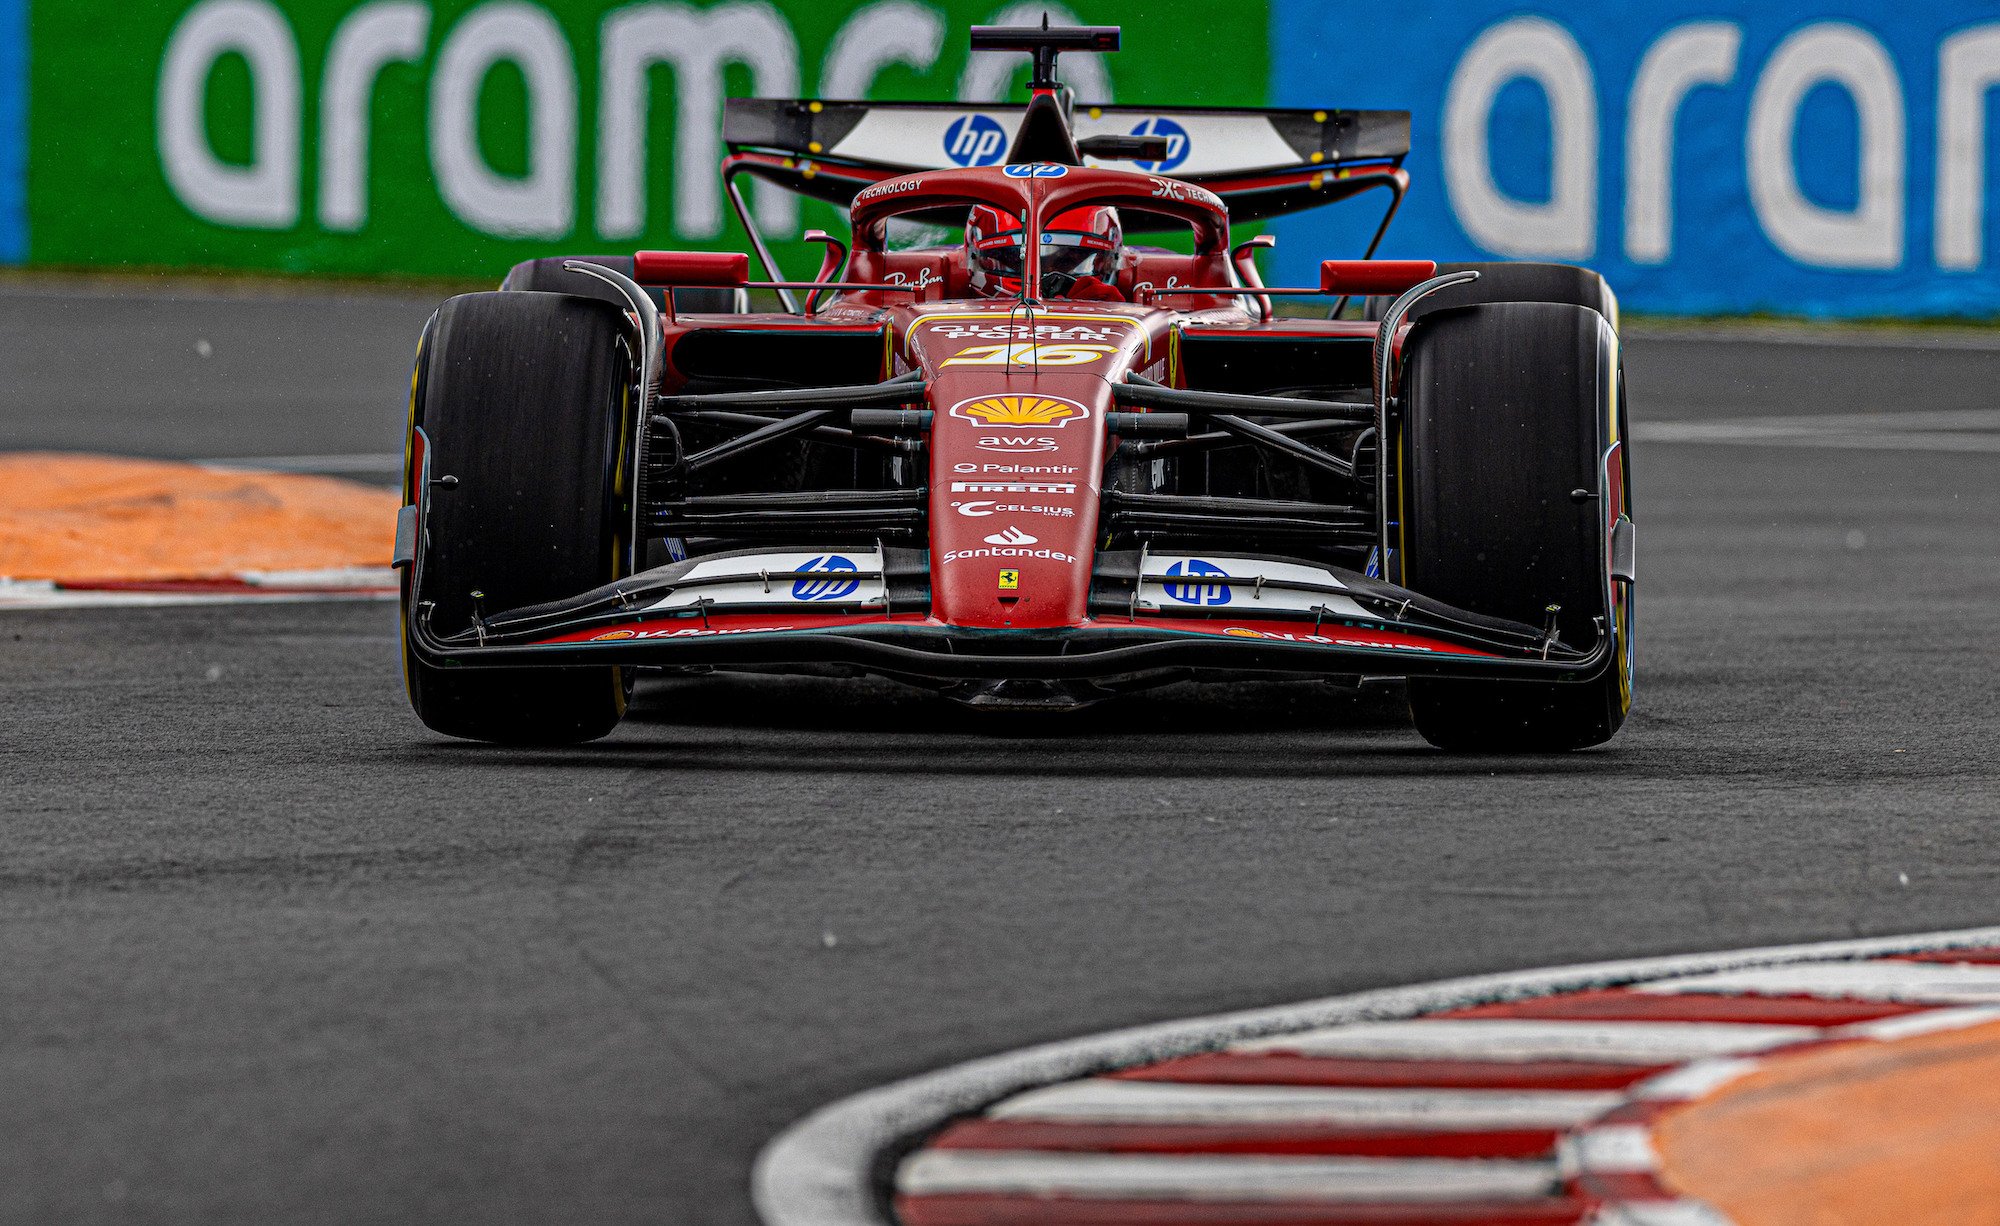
13,131
1802,158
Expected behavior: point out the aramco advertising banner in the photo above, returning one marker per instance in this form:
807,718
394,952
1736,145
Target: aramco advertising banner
1705,155
1725,156
452,138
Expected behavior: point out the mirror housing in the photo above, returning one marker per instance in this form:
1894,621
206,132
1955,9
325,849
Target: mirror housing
1373,276
717,269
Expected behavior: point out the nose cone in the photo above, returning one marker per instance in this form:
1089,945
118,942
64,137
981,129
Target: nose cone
1014,488
1018,400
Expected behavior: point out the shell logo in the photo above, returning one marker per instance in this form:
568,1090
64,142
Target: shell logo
610,635
1029,410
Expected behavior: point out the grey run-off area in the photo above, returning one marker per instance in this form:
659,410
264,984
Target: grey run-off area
271,951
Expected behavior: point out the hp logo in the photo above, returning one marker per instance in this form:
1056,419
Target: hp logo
1198,593
975,140
827,589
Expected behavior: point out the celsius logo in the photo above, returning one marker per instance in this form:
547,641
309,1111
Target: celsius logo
975,140
1177,143
1198,593
827,589
1011,536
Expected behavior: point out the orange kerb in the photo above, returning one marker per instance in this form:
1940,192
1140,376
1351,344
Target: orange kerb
77,517
1903,1133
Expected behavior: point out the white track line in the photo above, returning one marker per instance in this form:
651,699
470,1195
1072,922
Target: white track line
1618,1147
1522,1039
259,587
384,462
1697,1080
1902,982
1663,1213
1152,1177
1964,430
1104,1101
819,1171
1816,335
1910,1025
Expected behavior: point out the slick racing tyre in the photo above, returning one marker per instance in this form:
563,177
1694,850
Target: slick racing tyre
522,404
549,276
1508,409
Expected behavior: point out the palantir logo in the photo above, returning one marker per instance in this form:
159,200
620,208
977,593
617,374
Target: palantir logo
827,589
1198,593
975,140
1178,145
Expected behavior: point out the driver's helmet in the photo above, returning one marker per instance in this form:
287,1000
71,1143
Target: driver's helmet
1080,252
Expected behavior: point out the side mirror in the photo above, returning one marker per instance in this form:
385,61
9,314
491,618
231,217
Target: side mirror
718,269
1373,276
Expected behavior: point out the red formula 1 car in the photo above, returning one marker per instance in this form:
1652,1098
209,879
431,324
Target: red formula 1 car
998,449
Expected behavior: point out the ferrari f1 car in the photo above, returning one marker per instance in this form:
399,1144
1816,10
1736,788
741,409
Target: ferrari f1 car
995,449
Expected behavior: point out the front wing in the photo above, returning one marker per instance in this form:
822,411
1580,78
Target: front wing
867,610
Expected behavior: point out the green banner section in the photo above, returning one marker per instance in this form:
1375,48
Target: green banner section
395,137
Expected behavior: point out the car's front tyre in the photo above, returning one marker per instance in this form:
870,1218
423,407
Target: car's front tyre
1509,408
522,409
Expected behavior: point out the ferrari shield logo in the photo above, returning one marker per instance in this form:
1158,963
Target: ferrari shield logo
1010,580
1029,410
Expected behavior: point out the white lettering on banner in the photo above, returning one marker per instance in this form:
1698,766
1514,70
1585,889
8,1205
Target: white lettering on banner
1052,470
542,203
263,195
366,41
1968,66
1005,551
1871,234
893,32
698,43
1698,53
1565,227
990,77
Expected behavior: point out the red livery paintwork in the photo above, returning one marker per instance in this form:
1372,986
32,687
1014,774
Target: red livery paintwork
1304,635
715,626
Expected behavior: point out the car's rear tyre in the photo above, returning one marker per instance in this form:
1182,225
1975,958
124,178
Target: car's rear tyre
525,399
548,275
1508,409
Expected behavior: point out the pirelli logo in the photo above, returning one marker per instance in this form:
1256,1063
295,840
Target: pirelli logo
1013,487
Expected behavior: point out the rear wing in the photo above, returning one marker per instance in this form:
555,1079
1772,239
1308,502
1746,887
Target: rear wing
1262,162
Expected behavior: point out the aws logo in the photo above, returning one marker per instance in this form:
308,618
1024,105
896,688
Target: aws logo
1028,410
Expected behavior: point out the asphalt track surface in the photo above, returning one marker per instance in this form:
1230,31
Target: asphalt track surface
271,951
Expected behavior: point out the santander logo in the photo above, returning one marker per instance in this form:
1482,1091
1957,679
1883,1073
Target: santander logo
1011,536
